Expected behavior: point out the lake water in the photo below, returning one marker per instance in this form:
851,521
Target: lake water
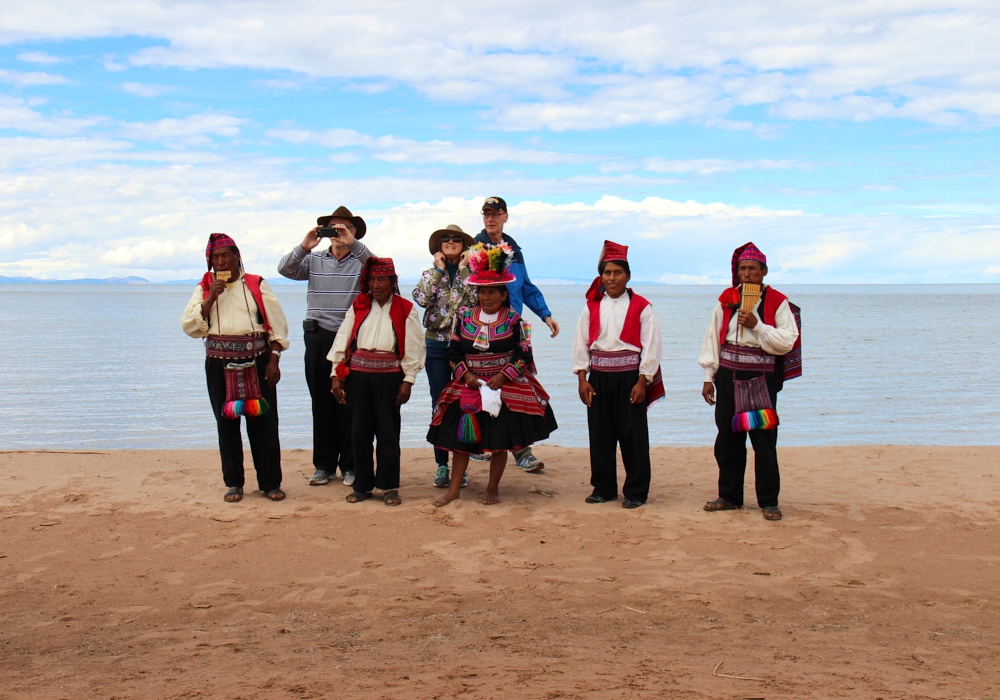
99,366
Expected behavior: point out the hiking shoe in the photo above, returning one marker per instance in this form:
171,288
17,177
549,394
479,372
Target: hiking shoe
484,457
319,478
530,463
348,478
443,478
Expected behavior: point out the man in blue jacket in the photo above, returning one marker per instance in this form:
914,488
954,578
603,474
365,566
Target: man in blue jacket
522,292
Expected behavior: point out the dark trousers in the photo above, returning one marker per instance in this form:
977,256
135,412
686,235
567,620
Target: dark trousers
614,421
331,421
731,448
438,376
371,400
262,431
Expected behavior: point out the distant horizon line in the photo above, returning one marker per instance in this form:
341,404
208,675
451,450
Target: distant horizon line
548,282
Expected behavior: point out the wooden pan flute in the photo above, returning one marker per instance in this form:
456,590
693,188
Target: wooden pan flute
749,296
223,275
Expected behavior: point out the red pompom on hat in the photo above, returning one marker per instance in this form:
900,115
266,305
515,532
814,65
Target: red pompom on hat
747,251
216,241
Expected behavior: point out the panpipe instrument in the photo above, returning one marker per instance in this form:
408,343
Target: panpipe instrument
749,296
223,275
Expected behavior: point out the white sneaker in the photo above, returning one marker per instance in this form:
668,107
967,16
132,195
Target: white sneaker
348,478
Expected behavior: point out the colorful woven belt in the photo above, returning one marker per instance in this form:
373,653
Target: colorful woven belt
374,362
740,358
487,364
620,361
236,347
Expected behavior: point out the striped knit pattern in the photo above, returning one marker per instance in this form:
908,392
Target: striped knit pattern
333,283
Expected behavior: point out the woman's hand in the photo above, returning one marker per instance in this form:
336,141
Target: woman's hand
337,389
471,380
464,260
439,261
496,381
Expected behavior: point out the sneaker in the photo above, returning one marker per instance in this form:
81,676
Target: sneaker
484,457
443,478
319,478
348,478
530,463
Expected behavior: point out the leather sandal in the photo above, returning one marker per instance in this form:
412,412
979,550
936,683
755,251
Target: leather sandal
772,513
721,504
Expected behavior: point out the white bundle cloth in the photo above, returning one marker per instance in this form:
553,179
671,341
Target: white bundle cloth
491,399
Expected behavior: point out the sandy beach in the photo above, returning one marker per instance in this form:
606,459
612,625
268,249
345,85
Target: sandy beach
125,575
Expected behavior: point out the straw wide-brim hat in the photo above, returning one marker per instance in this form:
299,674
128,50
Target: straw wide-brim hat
434,243
360,227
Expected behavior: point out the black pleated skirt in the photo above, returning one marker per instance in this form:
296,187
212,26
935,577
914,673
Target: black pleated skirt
508,431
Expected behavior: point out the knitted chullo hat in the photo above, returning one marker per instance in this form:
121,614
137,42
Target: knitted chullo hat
216,241
490,264
610,252
747,251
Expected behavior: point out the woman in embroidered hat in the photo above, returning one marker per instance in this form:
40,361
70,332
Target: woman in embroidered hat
443,291
750,349
245,331
618,341
494,403
376,357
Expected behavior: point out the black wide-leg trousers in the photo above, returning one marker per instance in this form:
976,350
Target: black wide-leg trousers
731,447
262,431
331,420
371,401
614,421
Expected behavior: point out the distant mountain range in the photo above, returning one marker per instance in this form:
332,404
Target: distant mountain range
106,280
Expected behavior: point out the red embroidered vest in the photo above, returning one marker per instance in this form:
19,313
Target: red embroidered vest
772,300
253,284
631,329
398,312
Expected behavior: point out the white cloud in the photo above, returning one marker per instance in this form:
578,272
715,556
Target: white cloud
392,149
145,90
595,66
713,166
39,57
15,113
192,130
22,79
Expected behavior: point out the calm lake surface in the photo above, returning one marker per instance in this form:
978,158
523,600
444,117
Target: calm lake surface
108,367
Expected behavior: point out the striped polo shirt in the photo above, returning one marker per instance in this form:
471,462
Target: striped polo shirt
333,283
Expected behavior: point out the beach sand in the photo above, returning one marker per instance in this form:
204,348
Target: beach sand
124,575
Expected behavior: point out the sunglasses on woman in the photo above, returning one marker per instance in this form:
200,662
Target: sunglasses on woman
451,239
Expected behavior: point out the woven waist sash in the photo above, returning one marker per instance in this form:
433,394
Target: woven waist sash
620,361
740,358
374,361
236,347
487,364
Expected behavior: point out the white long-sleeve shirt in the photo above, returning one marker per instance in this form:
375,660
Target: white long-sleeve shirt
235,313
774,340
376,333
613,312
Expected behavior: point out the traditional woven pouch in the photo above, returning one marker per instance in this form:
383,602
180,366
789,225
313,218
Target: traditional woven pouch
243,397
471,403
754,410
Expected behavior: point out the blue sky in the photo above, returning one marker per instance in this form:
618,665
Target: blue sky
852,143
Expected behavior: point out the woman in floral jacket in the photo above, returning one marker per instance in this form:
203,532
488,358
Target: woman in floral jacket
444,292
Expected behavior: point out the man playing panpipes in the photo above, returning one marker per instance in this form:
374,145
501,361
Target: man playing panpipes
751,347
245,331
618,341
376,357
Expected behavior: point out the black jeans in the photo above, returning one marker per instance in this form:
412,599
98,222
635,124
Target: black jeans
262,431
613,420
731,448
331,421
371,400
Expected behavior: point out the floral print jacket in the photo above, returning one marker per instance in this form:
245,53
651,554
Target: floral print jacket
443,300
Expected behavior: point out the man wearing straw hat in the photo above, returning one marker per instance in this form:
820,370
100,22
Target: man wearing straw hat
444,292
747,355
523,292
333,276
